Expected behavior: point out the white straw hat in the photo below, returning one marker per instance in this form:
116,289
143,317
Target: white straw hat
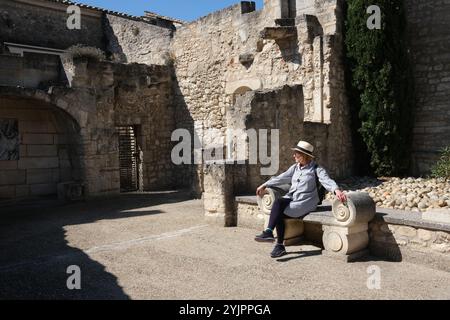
304,147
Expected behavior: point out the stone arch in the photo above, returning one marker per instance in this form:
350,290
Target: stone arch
51,151
64,99
241,86
240,91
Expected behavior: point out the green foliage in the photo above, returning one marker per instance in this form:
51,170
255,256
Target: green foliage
442,167
381,75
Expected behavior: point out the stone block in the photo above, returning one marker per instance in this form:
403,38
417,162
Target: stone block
218,196
407,231
424,235
32,138
22,151
279,33
294,228
70,191
38,163
42,151
65,163
249,216
65,174
60,139
442,237
39,176
13,177
441,247
7,192
340,240
388,228
22,191
43,189
438,215
34,127
9,165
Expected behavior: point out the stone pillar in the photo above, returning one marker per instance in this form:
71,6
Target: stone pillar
279,9
347,237
218,197
318,79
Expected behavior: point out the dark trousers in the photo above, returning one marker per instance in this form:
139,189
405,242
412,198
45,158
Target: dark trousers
277,217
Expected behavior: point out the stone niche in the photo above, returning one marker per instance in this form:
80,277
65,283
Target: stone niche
48,150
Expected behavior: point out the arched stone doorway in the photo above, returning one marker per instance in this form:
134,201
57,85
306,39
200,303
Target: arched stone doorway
49,151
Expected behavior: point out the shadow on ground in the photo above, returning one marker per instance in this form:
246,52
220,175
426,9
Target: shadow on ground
299,254
35,254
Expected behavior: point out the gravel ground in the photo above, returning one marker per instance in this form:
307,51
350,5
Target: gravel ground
411,194
157,246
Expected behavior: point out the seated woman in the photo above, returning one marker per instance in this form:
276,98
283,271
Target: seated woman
302,197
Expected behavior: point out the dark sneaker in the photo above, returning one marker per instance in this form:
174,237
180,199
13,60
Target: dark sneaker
265,236
278,251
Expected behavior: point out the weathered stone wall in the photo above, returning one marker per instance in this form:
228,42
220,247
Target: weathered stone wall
131,95
104,95
428,28
48,150
278,109
222,55
407,243
45,25
32,71
133,41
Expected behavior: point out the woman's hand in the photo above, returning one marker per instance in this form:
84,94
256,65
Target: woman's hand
341,195
260,191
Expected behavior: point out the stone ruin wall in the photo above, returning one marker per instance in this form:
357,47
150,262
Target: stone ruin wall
207,57
131,41
428,30
214,60
95,97
102,95
136,95
125,39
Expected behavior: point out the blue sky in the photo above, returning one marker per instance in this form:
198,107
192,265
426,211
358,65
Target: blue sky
187,10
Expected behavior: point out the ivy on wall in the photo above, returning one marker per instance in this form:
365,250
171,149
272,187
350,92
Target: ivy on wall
381,76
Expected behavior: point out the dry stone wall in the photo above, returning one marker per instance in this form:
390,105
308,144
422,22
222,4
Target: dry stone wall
102,96
138,95
428,29
131,41
222,55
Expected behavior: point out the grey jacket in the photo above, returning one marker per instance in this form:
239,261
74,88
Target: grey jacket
303,191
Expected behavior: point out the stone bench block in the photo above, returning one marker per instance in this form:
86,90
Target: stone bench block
345,226
293,233
70,191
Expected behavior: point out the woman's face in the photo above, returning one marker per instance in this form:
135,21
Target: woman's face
301,158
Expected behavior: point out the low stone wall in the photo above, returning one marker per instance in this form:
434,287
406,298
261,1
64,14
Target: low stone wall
400,236
249,215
